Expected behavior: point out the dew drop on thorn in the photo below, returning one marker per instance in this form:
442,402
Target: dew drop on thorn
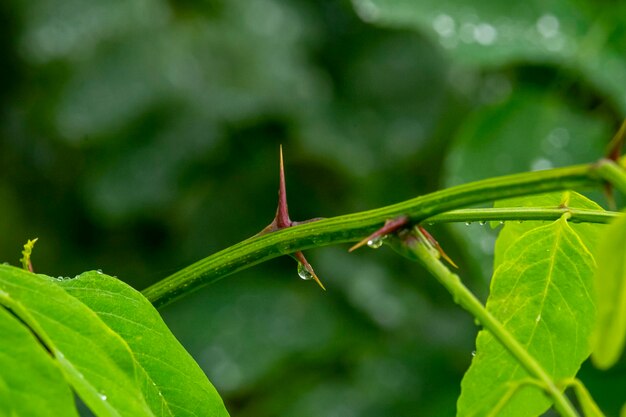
303,272
375,243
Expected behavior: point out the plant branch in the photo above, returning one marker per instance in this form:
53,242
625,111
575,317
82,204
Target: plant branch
613,173
466,299
351,227
523,214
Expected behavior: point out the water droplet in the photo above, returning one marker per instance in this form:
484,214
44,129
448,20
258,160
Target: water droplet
99,271
473,353
303,272
501,221
468,223
538,318
375,243
482,222
103,397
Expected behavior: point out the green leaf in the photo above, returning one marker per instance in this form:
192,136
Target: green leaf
511,231
170,380
610,281
31,384
542,294
108,366
492,33
529,131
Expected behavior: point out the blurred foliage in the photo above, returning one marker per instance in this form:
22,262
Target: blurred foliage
139,136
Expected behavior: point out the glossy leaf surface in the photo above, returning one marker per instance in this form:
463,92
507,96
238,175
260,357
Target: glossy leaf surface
31,384
170,380
103,335
542,294
512,231
529,131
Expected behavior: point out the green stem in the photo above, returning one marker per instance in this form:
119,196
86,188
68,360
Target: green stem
351,227
466,299
522,214
613,173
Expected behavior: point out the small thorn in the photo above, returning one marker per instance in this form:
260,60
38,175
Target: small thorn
282,220
437,246
282,211
300,258
390,226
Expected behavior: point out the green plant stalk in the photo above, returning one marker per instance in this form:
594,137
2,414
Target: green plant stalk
466,299
522,214
349,228
613,173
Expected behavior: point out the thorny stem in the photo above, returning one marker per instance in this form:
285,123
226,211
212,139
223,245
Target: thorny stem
352,227
282,221
466,299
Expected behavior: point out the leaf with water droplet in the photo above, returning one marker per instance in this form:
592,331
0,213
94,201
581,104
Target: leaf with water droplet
513,230
108,340
495,141
530,283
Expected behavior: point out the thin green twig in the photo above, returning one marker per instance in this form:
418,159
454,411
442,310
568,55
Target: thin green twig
613,173
466,299
522,214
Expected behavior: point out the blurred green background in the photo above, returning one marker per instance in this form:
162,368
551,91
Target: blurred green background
138,136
